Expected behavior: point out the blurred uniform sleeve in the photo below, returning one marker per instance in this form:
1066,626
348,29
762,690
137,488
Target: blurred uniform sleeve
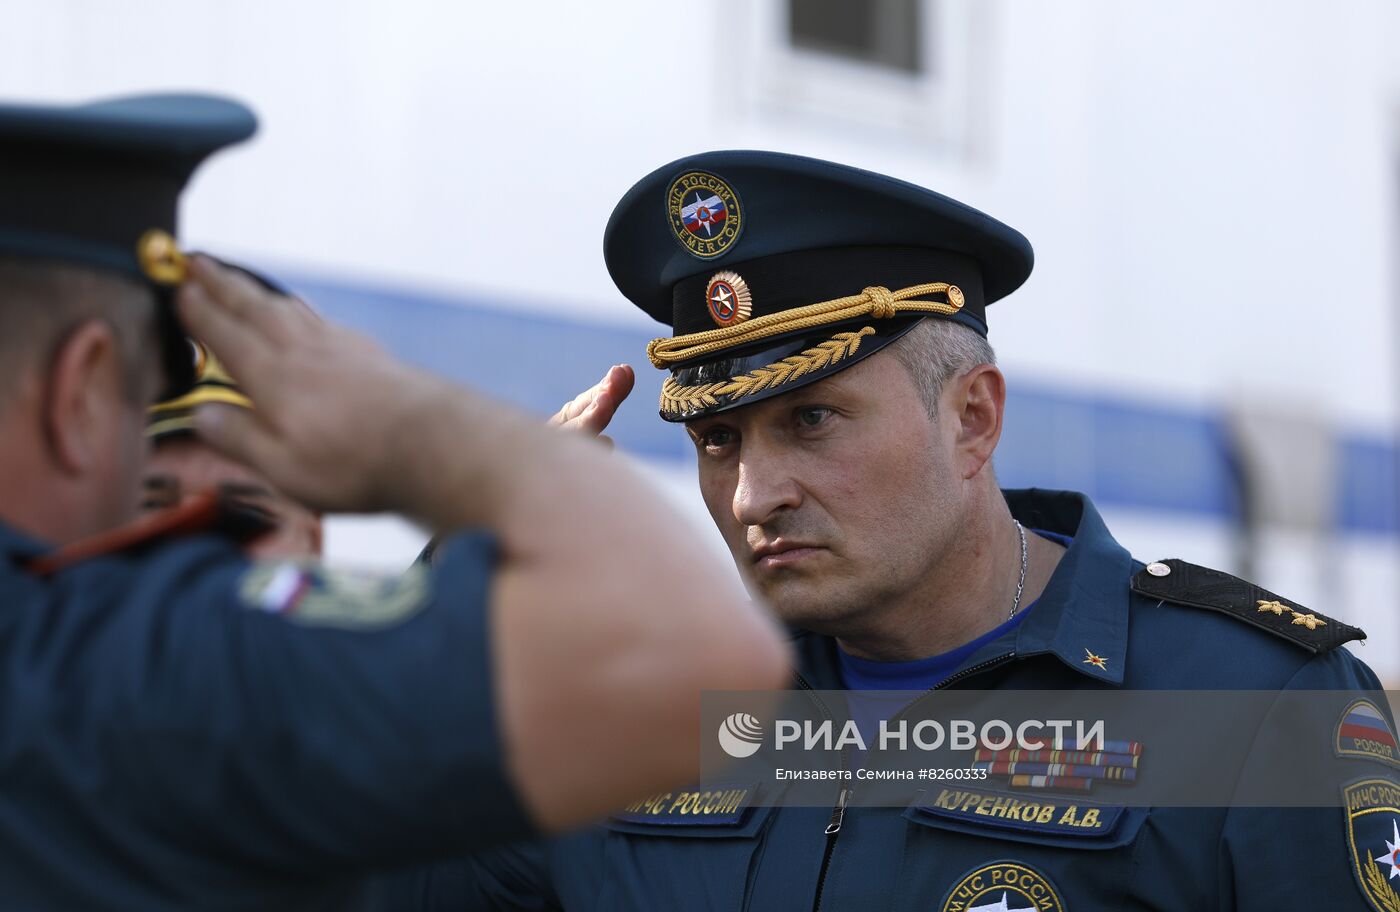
510,879
277,717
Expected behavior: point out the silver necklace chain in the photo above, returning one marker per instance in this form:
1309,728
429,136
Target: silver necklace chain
1020,583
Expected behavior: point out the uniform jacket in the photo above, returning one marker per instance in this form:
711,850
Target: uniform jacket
185,730
781,859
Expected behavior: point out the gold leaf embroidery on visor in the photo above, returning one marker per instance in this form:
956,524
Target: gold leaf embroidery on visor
677,399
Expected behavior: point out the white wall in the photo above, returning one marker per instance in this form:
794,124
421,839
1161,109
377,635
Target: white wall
1210,187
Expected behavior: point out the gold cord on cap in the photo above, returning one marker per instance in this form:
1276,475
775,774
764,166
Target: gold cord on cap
876,302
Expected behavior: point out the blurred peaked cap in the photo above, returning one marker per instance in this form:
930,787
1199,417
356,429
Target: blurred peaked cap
760,263
99,185
212,381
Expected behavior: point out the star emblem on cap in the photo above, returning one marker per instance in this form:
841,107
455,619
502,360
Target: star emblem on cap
1097,661
729,299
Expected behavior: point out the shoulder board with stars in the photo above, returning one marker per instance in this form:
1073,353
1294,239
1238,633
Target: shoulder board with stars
1181,583
206,512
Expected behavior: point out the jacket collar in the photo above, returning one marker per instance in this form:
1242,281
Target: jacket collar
1082,614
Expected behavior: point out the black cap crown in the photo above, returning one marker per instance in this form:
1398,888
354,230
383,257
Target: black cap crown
99,185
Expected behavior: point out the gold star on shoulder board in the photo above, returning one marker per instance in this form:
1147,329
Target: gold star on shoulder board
1275,607
1096,661
1310,621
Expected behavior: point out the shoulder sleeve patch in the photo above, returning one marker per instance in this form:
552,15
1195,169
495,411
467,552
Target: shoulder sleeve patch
310,594
1364,732
1181,583
1373,839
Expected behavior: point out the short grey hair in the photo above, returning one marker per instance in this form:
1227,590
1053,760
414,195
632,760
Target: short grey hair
42,301
935,351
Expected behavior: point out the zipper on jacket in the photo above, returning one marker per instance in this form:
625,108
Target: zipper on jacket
833,830
975,669
843,797
838,811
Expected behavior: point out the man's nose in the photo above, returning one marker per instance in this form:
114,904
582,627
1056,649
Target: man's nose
766,486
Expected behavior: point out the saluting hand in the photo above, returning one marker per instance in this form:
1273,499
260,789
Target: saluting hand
592,410
331,405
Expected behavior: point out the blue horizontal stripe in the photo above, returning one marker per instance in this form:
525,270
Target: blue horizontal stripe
1369,489
1119,452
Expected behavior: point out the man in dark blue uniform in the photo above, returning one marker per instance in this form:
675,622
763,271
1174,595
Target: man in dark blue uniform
830,364
184,728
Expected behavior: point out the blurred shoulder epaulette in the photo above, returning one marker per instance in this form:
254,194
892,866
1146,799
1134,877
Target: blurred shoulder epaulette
208,512
1181,583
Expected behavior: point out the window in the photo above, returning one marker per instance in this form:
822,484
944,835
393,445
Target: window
879,32
900,70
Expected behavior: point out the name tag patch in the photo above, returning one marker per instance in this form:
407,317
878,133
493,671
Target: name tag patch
716,805
1038,814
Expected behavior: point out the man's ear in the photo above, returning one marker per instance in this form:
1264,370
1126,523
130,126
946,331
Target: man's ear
978,404
83,380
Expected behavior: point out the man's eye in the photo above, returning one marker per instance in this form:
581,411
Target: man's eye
716,438
812,415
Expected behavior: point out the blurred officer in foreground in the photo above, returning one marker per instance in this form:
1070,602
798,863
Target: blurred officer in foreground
182,465
184,728
830,363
